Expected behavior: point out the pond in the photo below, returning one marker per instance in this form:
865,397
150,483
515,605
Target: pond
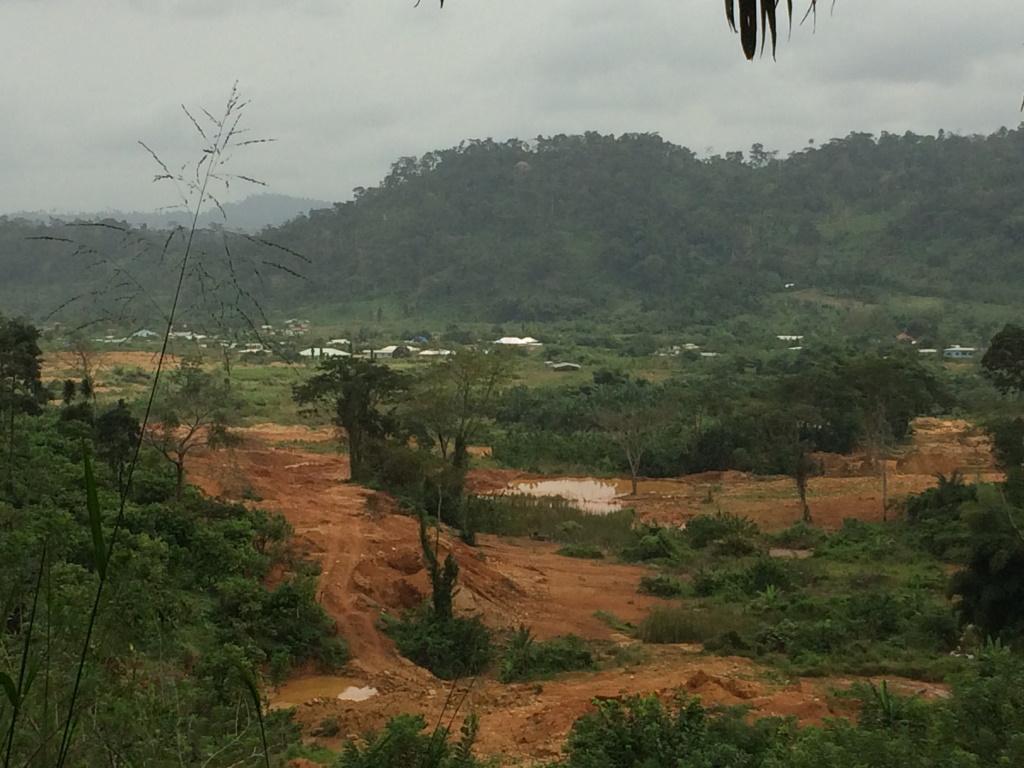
587,493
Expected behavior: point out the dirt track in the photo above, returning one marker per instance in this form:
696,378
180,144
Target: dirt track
371,562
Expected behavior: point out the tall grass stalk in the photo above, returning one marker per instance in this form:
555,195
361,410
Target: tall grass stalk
226,131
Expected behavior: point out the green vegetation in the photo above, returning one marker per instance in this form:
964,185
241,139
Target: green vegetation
582,551
980,724
550,519
616,236
189,608
403,743
526,658
661,586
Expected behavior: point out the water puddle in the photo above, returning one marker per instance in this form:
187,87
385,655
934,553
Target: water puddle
301,690
598,497
357,694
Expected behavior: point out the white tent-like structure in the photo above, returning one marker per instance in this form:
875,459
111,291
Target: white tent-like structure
515,341
324,352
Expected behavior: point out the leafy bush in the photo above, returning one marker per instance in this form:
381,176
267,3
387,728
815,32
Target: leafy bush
642,733
549,518
403,743
755,578
582,551
679,624
451,648
799,536
730,534
653,545
661,586
527,659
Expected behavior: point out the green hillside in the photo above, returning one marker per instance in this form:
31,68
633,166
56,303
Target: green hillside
913,227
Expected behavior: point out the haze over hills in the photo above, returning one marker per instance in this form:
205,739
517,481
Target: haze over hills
630,226
248,215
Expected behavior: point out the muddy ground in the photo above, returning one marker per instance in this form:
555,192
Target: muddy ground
371,562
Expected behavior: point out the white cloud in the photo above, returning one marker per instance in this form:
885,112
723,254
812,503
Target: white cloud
347,86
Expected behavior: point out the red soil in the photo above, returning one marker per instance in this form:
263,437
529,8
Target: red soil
371,563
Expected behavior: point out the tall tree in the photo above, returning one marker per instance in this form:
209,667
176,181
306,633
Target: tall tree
453,399
116,435
193,410
21,387
360,394
1003,362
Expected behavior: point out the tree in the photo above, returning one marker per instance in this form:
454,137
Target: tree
116,437
84,352
789,440
991,585
891,391
632,427
21,387
358,391
878,443
1003,362
194,410
452,400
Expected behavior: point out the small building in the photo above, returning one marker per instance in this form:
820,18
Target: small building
338,342
428,353
145,333
709,354
956,352
314,352
788,337
927,351
515,341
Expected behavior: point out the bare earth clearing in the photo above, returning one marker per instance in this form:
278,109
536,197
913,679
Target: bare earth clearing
371,562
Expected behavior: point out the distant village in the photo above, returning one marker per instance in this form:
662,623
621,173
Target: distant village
275,340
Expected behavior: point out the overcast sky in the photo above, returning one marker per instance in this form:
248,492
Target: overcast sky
347,86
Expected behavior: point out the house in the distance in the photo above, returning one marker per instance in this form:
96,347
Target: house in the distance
315,352
515,341
956,352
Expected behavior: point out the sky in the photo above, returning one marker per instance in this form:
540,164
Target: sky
345,87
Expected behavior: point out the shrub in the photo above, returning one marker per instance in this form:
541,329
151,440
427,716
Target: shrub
404,744
527,659
643,733
730,534
661,586
549,518
449,647
654,544
799,536
678,624
582,551
765,572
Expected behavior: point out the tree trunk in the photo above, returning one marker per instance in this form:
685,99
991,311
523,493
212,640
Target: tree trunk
460,453
885,491
634,481
179,471
801,488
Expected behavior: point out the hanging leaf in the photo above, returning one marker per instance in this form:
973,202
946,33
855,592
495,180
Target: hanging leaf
749,10
92,503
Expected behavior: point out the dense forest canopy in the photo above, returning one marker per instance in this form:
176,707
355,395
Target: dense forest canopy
565,226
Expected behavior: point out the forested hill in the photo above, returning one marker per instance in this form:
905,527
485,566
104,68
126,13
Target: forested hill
566,225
